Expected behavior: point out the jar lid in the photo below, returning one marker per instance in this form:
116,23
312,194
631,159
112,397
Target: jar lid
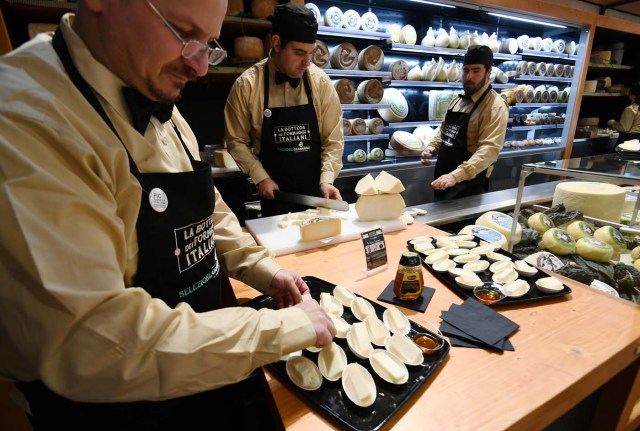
409,258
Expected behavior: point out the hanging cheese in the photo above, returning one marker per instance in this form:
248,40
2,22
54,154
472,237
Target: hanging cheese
597,200
371,58
320,228
500,222
320,56
344,56
366,186
248,47
406,144
387,183
380,207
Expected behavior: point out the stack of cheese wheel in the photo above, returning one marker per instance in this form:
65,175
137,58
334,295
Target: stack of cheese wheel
344,56
370,91
248,48
598,200
398,107
320,56
406,144
399,70
379,199
345,89
371,58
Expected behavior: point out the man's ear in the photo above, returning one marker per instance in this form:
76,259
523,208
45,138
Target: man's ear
275,43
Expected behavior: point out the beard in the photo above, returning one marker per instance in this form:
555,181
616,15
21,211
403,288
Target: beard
471,88
161,95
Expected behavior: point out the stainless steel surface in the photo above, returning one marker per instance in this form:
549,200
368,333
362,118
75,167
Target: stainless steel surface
311,201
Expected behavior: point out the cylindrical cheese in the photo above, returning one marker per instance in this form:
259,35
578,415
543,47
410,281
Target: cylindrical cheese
369,22
558,241
320,56
375,125
370,91
500,222
398,106
598,200
262,9
345,89
351,20
333,17
399,70
248,47
593,249
371,58
344,56
346,127
358,126
611,236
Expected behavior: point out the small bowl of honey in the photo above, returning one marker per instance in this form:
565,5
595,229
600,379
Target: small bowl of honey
488,293
428,343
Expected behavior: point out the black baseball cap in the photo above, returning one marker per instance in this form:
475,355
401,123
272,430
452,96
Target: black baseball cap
293,22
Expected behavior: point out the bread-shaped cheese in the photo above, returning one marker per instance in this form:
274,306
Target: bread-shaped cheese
611,236
320,228
558,241
380,207
580,229
387,183
540,222
366,186
598,200
500,222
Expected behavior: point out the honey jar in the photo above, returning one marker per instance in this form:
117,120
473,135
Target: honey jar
408,283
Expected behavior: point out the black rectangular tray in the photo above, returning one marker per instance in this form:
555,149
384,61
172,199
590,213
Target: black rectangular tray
533,295
331,401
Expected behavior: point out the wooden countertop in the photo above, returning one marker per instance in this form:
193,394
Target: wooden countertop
565,350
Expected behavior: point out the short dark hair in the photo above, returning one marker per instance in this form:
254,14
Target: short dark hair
635,89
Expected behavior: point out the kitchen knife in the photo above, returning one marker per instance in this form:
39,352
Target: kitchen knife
310,201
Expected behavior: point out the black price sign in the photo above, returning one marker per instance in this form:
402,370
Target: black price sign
375,249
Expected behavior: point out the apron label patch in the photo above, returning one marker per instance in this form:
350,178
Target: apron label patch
450,133
158,200
194,242
294,138
198,284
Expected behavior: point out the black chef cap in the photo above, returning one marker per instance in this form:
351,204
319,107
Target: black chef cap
479,54
293,22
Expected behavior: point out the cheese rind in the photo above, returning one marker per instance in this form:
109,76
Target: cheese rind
598,200
320,228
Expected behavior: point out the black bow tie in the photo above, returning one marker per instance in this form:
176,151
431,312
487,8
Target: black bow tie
142,109
281,77
464,96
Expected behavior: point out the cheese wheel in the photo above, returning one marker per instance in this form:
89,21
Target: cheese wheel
262,9
540,222
351,20
594,249
346,127
235,7
611,236
399,70
598,200
366,186
248,47
408,35
375,125
380,207
333,17
387,183
486,234
344,56
580,229
558,241
395,31
320,228
371,58
358,126
406,144
316,12
398,107
500,222
345,89
370,91
320,56
369,22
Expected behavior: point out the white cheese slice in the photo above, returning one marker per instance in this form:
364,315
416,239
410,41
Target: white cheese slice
320,228
393,370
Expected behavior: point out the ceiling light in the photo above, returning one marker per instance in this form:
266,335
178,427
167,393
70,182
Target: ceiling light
531,21
433,3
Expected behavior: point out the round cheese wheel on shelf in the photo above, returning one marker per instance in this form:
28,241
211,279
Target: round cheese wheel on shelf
406,144
345,89
333,17
316,12
594,249
500,222
375,125
409,35
262,9
398,106
346,127
358,126
558,241
344,56
399,70
370,91
248,47
597,200
371,58
369,22
320,56
351,20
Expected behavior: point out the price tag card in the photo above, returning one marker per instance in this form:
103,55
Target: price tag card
375,249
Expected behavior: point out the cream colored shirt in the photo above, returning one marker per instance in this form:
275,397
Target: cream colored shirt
485,134
69,314
629,120
243,118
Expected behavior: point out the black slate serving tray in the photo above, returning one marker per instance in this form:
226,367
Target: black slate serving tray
331,401
533,295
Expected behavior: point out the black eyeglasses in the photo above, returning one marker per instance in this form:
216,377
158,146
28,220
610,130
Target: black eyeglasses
192,49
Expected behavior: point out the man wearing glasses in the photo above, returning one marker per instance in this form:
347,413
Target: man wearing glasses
115,244
283,120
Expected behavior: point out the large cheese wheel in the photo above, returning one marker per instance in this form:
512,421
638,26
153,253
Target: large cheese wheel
320,56
371,58
500,222
486,234
344,56
345,89
387,183
399,70
370,91
248,47
598,200
398,107
380,207
406,144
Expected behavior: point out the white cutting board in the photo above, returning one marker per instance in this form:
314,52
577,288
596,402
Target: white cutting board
287,240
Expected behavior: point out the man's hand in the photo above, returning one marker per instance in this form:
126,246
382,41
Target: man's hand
287,288
330,192
611,122
444,182
323,325
425,157
266,188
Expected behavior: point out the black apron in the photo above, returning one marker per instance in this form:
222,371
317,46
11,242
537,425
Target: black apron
177,263
453,152
290,149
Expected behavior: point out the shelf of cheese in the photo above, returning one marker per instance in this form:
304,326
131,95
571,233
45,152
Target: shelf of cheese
548,54
363,106
526,78
431,50
357,73
438,84
351,138
414,124
540,105
351,34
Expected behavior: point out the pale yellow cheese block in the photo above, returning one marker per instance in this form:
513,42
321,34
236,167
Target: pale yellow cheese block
387,183
320,228
366,186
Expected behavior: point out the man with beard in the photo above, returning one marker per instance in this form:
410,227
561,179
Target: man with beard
116,244
472,133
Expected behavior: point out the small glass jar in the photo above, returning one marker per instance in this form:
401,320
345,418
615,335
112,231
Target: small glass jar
409,282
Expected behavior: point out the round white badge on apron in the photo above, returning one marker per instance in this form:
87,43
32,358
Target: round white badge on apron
158,200
267,113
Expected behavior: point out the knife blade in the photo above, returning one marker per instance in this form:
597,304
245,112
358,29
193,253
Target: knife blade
310,201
